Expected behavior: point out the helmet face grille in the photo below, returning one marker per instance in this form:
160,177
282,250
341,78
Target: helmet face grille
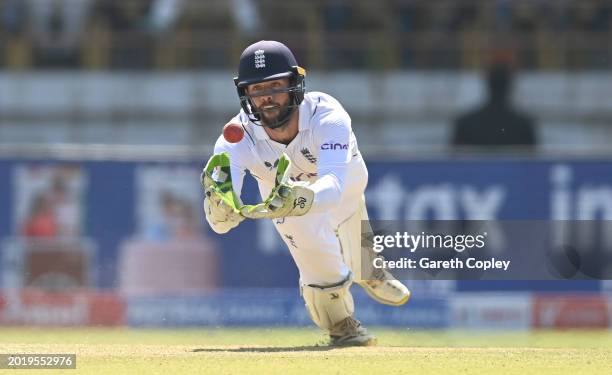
266,61
296,90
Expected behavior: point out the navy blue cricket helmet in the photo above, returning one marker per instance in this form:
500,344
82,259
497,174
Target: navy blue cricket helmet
268,60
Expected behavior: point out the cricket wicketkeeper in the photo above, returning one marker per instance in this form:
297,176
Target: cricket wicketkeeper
319,208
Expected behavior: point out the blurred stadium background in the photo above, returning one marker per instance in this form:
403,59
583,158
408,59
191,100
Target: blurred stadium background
109,109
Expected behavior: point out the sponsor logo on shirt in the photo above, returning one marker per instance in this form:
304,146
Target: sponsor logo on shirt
334,146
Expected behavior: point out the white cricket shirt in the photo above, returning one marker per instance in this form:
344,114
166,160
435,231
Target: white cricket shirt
324,152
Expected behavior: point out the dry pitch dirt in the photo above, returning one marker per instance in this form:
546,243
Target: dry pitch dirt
300,351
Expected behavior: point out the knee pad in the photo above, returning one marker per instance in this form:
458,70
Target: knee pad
328,305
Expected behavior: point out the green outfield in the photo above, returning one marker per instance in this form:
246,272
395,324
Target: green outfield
300,351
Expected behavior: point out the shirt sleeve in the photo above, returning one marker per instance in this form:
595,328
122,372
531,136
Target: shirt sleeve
333,137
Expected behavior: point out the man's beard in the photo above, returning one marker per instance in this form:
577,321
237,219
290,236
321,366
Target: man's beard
279,120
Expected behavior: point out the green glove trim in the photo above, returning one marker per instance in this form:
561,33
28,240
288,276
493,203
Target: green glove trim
223,187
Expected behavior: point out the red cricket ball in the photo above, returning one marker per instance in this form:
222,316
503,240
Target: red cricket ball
233,133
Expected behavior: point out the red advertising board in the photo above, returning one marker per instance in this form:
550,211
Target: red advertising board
570,311
39,308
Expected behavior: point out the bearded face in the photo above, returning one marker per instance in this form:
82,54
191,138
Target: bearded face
271,101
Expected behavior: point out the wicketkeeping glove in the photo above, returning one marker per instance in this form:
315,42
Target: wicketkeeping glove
220,201
220,213
287,199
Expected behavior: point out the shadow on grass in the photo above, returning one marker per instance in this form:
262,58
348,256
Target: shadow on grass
273,349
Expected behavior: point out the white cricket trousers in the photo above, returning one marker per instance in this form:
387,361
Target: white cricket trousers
312,239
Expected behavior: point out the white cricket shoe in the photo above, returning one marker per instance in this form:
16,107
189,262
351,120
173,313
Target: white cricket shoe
350,332
385,289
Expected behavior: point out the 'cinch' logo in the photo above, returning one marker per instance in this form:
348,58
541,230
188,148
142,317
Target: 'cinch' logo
334,146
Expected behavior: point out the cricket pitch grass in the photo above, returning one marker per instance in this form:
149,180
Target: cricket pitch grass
302,351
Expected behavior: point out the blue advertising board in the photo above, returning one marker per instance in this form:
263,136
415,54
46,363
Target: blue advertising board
275,307
254,256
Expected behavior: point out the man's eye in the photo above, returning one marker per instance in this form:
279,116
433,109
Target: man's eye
262,92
